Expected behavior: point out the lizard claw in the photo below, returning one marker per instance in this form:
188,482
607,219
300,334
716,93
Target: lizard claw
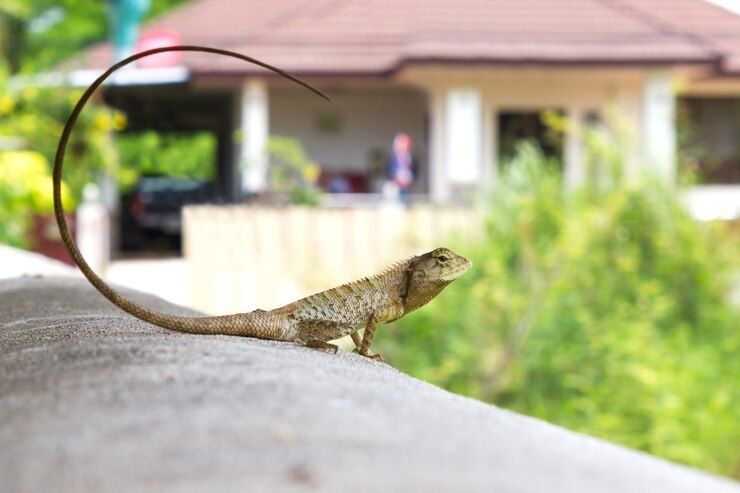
376,357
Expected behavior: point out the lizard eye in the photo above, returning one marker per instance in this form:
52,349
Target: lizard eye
443,258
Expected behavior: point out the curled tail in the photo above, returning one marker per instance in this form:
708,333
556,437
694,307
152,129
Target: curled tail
256,324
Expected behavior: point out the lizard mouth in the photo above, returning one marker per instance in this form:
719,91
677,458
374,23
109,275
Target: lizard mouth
458,270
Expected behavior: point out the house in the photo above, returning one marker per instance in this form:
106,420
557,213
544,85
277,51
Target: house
454,75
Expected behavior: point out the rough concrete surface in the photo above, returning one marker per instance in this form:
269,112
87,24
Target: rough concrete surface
94,400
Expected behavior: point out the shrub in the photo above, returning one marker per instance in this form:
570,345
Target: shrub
604,309
32,119
292,172
35,117
185,155
25,188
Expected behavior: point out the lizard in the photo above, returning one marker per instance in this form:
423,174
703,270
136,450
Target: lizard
312,321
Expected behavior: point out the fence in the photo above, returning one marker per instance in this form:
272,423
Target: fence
242,258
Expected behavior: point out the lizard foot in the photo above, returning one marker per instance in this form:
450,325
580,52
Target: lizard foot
323,346
376,357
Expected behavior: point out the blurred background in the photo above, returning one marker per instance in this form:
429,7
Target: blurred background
584,154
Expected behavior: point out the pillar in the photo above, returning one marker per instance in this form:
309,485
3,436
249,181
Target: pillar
438,184
464,136
254,126
574,172
659,125
456,143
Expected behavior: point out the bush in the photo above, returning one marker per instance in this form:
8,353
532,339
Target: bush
186,155
35,117
32,119
605,310
291,171
25,188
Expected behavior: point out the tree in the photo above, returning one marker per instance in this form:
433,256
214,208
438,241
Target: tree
35,36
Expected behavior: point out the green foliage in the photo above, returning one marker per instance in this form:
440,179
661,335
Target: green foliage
292,172
181,155
605,310
35,117
25,188
32,119
546,127
55,30
46,32
159,7
35,36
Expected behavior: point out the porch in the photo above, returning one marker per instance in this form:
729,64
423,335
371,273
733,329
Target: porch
451,85
455,116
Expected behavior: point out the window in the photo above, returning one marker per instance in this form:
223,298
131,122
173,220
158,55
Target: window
516,126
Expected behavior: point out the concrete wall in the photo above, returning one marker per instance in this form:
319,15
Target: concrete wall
242,258
92,399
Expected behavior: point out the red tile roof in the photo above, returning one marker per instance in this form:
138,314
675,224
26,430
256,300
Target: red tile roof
380,36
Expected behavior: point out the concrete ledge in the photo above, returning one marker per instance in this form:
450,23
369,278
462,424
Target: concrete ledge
92,399
15,262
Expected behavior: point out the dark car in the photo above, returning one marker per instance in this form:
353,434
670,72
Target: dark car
153,208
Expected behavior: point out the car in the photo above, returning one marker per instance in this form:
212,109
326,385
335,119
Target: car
154,206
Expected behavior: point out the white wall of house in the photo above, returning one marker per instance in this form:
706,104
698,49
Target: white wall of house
643,98
340,134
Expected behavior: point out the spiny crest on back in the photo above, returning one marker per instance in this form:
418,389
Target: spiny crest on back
395,266
375,280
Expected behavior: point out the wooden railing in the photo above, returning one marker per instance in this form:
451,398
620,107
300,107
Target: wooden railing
242,257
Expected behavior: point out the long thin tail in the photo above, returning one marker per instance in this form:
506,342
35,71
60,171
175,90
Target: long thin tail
249,324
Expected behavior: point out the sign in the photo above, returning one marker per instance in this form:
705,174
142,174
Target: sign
159,38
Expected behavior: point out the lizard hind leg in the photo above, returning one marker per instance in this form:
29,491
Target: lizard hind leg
323,346
316,333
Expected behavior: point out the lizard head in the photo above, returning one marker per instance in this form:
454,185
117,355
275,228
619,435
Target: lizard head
439,265
430,273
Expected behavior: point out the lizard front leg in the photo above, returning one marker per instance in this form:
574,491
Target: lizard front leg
364,347
358,342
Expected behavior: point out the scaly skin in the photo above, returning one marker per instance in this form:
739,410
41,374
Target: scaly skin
312,321
383,298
